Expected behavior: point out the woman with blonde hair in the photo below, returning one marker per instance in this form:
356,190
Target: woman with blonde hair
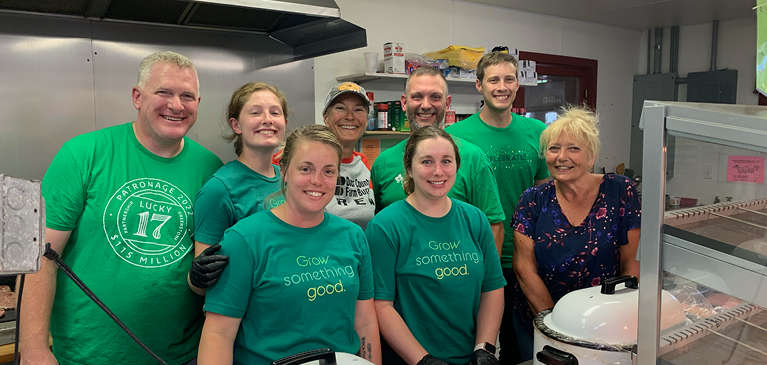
298,279
574,231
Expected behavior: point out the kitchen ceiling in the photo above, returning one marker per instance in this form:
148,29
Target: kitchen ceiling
310,27
634,14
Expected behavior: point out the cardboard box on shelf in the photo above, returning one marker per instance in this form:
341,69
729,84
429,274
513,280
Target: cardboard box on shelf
409,67
394,58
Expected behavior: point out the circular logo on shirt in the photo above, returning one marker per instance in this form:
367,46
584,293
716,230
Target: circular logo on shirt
146,222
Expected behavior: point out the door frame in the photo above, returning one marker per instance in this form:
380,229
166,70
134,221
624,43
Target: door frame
549,64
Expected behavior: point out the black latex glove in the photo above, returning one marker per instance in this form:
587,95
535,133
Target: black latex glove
431,360
207,267
482,357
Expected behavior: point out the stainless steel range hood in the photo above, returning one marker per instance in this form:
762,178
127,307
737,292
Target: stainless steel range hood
311,27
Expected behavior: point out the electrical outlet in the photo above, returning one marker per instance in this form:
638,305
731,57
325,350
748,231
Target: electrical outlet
22,225
707,171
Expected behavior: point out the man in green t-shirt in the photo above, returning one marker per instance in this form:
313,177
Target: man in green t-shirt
425,101
119,211
511,142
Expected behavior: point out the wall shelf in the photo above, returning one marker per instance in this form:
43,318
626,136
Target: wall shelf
362,78
393,79
385,134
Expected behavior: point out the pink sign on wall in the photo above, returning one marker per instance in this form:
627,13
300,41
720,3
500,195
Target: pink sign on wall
745,169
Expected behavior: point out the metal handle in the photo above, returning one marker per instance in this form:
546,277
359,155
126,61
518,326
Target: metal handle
552,356
608,286
328,355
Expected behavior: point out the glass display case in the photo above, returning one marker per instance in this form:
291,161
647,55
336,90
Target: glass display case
704,232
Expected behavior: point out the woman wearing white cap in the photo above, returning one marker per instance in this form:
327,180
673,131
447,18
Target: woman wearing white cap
345,113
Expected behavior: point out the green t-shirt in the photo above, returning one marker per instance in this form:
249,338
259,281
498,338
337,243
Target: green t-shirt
474,182
514,152
130,213
294,288
234,192
434,269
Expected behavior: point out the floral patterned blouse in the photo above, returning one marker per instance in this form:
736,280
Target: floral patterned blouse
568,257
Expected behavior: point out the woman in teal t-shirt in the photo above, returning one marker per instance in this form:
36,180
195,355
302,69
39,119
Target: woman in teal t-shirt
257,118
438,279
298,279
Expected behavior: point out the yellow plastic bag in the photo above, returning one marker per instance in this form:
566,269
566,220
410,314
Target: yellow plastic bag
460,56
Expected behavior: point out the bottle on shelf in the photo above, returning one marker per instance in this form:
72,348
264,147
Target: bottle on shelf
395,120
371,113
383,116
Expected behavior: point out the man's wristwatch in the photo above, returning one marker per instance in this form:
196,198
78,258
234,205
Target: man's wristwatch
485,346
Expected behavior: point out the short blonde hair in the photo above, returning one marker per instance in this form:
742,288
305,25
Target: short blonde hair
578,122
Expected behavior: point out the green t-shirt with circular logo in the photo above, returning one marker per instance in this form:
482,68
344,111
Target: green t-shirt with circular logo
131,216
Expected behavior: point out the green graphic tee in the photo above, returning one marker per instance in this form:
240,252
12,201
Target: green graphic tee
474,181
234,192
434,269
515,154
130,213
294,288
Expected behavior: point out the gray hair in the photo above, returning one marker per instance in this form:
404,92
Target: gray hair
167,56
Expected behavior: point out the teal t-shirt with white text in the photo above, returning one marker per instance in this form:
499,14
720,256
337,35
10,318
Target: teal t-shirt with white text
294,288
434,270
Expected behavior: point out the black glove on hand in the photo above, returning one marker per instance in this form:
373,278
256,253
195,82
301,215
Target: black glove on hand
431,360
207,267
482,357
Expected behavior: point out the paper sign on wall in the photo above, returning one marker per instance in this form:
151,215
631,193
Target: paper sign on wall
745,169
371,148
